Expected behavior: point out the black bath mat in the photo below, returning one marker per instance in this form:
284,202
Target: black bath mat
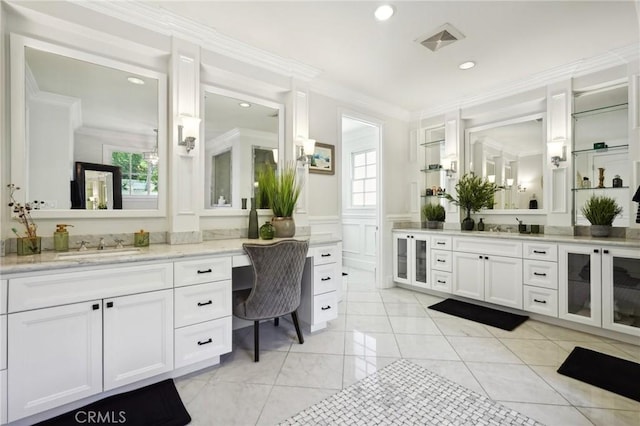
493,317
158,404
604,371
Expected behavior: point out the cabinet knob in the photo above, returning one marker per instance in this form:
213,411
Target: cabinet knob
605,251
486,257
596,251
95,306
109,304
479,257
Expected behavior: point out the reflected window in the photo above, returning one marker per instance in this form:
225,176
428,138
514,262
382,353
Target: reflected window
139,178
363,178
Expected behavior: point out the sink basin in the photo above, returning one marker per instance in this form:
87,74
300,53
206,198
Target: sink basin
97,254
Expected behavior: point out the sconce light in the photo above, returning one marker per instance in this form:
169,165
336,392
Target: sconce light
491,178
274,151
522,187
306,147
152,157
558,153
509,183
188,128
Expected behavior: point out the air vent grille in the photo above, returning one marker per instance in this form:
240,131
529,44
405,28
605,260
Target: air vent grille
442,37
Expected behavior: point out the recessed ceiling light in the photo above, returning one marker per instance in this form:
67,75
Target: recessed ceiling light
244,104
467,65
135,80
384,12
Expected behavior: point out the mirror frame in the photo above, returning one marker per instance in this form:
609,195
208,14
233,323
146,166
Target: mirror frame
79,185
19,160
519,119
207,88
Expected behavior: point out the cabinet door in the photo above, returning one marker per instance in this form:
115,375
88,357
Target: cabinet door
503,281
579,284
468,275
55,356
401,259
138,337
420,260
621,290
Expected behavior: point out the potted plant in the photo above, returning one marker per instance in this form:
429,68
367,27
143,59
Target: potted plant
433,214
29,242
600,211
282,191
473,193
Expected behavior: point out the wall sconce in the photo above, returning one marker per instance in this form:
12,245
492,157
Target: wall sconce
274,152
306,147
188,128
152,157
509,183
557,152
522,187
491,178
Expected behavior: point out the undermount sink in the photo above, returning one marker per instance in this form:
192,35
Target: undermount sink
93,254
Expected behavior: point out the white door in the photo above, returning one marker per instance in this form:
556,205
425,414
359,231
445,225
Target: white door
138,337
503,281
402,257
55,357
621,290
579,284
468,275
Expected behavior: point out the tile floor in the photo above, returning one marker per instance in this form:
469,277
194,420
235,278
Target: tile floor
377,327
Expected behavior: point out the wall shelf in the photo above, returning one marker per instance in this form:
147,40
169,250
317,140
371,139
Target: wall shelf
599,189
431,143
601,110
607,149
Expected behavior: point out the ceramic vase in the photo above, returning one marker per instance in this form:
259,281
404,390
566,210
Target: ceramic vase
267,231
253,221
467,222
285,227
600,230
26,246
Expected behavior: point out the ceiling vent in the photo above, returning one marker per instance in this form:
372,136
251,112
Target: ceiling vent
443,36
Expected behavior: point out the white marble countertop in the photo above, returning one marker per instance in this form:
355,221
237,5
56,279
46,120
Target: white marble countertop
621,242
49,260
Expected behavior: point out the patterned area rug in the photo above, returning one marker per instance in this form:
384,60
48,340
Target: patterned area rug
405,393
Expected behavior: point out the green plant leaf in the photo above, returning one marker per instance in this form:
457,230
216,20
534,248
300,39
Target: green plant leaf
601,210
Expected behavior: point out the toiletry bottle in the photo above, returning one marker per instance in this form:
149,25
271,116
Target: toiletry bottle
533,203
253,221
586,183
617,182
61,237
481,225
141,239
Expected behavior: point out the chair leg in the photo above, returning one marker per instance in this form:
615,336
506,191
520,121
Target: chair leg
294,316
276,321
256,341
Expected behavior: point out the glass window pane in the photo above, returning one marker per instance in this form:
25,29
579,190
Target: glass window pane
371,170
358,159
358,173
358,199
626,291
358,186
371,157
370,199
370,185
579,284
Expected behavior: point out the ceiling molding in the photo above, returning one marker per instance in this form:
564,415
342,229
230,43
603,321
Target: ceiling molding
170,24
612,58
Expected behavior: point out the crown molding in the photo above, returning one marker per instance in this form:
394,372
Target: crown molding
615,57
168,23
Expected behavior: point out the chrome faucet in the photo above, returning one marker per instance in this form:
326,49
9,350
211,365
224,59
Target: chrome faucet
119,243
101,244
82,244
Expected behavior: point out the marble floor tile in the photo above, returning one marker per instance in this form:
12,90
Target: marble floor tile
516,383
461,327
405,310
604,417
537,352
363,296
414,325
189,388
633,350
361,286
428,299
550,415
365,308
358,367
239,368
322,342
398,295
272,338
605,348
425,347
286,401
456,371
554,332
482,349
523,331
378,324
337,324
367,344
312,370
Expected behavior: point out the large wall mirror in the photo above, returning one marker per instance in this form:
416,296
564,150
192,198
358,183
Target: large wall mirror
242,135
510,154
71,108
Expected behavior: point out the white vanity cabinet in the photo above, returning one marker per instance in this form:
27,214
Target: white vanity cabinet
411,258
580,283
441,263
320,287
540,278
489,270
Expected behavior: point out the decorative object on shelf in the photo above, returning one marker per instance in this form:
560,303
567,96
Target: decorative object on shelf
535,229
586,183
253,221
267,231
434,166
61,237
599,145
221,201
244,203
429,192
433,214
473,194
636,198
29,242
600,211
600,177
282,192
617,181
323,159
533,203
141,238
481,225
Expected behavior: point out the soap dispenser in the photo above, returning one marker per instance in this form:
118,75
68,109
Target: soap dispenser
61,237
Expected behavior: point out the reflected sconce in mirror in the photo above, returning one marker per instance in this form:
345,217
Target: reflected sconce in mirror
306,148
491,178
557,152
152,157
509,183
188,128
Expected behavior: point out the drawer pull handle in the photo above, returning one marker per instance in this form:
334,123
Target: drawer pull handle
486,257
209,302
540,252
441,260
540,301
442,282
325,255
324,308
205,342
95,307
540,274
605,251
440,243
205,271
109,304
325,279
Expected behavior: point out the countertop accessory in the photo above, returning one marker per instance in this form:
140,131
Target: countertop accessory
267,231
599,145
141,238
253,221
61,237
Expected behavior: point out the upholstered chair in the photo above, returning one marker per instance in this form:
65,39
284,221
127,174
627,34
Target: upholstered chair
276,287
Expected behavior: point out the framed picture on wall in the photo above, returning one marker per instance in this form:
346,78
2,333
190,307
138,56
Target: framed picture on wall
323,160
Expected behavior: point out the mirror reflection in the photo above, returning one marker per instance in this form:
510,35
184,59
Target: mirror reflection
77,111
510,154
241,137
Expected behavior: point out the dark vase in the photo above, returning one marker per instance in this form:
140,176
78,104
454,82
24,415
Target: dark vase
467,222
253,220
267,231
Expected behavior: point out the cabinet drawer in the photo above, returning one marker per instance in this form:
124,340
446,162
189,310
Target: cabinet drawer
325,307
488,246
541,274
202,341
441,260
540,251
441,281
441,242
202,302
71,287
541,300
325,278
325,254
203,270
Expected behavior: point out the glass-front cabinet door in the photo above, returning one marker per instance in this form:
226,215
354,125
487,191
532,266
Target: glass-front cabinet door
621,289
580,284
401,258
420,260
